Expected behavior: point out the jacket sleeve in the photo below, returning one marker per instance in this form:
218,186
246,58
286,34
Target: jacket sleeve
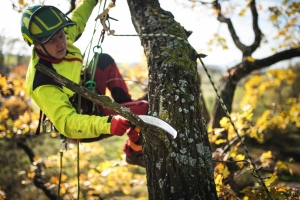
80,16
57,107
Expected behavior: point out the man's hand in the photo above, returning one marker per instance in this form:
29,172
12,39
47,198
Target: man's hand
119,125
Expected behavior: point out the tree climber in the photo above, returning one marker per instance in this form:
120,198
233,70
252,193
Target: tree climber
52,35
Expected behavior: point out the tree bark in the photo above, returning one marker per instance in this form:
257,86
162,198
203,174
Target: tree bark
180,168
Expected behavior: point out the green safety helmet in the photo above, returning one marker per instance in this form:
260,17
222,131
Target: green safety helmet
40,21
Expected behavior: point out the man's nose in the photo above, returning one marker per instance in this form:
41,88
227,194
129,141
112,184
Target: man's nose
61,42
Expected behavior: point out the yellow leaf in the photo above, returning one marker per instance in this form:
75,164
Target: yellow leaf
282,32
240,157
53,134
232,152
281,165
106,190
273,18
271,179
225,47
2,127
64,177
220,168
266,155
226,172
126,190
242,13
63,190
224,122
31,175
111,183
220,141
54,180
250,59
218,179
120,155
265,159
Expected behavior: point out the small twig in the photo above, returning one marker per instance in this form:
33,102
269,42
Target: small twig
232,161
38,178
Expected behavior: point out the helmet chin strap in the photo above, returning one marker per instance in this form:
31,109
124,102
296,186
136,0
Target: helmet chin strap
47,54
44,52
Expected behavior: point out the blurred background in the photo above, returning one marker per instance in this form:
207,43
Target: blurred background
266,105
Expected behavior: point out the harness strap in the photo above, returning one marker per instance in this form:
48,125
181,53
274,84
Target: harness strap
38,129
134,146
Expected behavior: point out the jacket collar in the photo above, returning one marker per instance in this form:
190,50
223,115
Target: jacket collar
52,60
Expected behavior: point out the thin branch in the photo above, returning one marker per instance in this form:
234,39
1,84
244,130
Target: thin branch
202,2
231,29
256,29
277,57
37,179
242,69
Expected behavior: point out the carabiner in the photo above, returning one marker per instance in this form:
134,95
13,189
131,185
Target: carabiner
47,126
99,47
63,146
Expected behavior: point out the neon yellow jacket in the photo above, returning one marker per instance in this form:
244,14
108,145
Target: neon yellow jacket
52,98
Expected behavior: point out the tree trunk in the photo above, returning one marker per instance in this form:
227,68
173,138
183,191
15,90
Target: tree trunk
178,168
2,67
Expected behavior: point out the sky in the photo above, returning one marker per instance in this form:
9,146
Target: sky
129,49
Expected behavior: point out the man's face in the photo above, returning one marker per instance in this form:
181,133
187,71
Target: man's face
57,45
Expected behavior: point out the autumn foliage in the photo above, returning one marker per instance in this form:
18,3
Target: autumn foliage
268,119
279,118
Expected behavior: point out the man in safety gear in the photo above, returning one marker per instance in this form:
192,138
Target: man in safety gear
52,35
